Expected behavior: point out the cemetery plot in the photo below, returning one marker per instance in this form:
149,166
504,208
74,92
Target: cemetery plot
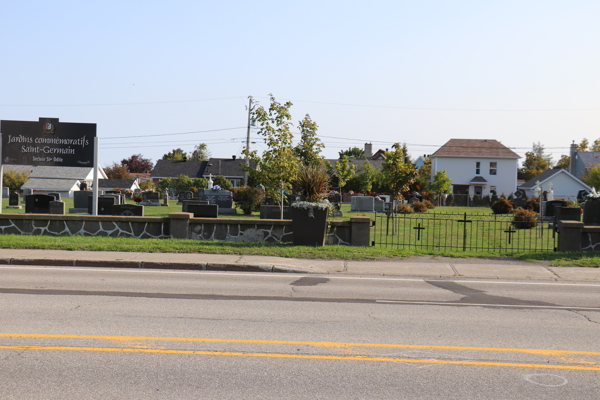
464,232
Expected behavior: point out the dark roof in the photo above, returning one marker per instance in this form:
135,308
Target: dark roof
228,167
116,183
174,168
478,179
541,177
475,148
589,158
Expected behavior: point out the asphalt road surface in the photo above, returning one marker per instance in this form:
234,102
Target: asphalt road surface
77,333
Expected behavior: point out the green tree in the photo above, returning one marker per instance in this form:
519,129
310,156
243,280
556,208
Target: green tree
276,169
538,149
344,170
593,177
564,162
200,183
147,184
424,176
534,164
353,153
367,176
442,184
223,182
596,145
14,179
396,172
407,157
116,171
310,146
165,184
175,154
583,146
201,153
184,182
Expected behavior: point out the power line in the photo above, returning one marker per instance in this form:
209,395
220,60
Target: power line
119,104
437,109
171,134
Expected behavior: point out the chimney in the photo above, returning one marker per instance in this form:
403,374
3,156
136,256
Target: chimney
573,154
233,157
368,150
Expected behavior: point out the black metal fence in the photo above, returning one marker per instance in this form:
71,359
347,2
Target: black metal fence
496,233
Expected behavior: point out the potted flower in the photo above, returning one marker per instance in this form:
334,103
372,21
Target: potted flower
591,208
309,216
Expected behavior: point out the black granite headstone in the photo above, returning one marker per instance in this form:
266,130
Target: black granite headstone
13,199
104,205
204,210
185,195
127,210
186,203
38,203
56,195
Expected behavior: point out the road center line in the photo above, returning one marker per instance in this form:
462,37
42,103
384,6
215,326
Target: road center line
301,356
293,342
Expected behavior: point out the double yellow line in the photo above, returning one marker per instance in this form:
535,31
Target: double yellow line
590,365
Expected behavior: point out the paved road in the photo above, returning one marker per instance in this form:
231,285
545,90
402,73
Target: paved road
69,333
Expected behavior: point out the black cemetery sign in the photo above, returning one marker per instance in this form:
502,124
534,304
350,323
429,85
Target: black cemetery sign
47,142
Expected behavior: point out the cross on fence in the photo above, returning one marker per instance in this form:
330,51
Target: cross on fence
419,229
465,231
510,231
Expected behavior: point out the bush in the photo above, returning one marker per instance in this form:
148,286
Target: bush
524,219
429,204
533,204
247,198
419,206
502,206
223,182
404,208
312,183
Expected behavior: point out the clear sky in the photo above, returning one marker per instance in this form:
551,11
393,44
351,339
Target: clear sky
420,72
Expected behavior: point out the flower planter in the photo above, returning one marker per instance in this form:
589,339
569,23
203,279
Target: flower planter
591,212
309,226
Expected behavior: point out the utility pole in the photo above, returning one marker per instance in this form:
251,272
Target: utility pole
248,139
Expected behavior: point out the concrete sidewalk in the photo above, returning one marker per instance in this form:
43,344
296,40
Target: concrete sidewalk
430,267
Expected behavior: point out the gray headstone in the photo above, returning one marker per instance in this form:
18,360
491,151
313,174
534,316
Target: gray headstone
385,197
221,198
80,198
5,192
379,205
57,207
38,203
363,204
204,210
151,199
127,210
185,195
55,194
274,212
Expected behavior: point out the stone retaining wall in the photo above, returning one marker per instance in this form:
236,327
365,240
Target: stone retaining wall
355,232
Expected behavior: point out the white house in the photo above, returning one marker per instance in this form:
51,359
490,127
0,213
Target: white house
477,166
564,184
63,180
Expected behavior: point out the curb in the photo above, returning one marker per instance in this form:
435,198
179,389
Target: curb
152,265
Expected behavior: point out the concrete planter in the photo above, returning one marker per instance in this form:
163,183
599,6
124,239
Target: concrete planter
591,212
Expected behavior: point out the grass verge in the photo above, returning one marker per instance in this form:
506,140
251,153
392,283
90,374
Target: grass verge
86,243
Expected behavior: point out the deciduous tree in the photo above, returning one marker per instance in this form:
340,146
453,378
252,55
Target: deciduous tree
137,164
592,177
116,171
201,153
564,162
396,172
14,179
344,170
277,167
353,153
175,154
310,146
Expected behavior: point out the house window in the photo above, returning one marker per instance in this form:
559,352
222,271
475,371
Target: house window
477,168
235,183
493,168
